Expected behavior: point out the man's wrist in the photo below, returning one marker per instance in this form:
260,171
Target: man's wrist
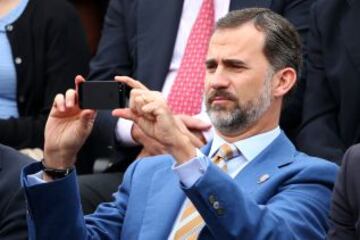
59,159
182,150
55,173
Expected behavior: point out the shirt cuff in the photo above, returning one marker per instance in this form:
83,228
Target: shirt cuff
35,179
123,132
192,170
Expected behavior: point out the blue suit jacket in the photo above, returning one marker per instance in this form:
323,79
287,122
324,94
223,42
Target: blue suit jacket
138,40
293,203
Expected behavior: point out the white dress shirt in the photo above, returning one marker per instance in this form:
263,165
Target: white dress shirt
189,13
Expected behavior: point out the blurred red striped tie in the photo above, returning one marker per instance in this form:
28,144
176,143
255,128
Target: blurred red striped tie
186,93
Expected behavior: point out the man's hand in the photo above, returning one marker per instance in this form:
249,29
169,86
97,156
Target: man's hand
151,147
193,127
190,126
66,129
148,109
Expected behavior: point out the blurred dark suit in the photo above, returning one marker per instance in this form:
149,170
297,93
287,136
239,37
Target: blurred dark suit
331,113
12,201
345,209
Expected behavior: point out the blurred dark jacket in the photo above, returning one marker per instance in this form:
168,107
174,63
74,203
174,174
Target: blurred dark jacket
331,113
50,49
12,200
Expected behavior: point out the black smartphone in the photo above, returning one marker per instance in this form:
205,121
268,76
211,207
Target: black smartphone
102,95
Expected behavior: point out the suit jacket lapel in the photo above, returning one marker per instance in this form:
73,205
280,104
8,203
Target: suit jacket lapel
164,202
166,197
156,31
278,154
240,4
351,36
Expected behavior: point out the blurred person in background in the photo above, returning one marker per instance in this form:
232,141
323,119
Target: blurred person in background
12,201
331,111
345,211
332,106
42,48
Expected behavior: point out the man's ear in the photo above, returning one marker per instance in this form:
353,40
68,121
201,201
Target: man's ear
283,81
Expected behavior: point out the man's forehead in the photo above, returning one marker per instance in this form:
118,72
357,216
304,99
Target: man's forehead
244,34
245,39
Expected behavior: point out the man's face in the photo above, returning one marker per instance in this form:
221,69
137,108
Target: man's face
238,79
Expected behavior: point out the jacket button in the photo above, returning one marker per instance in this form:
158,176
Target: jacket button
9,28
18,60
212,199
216,205
220,211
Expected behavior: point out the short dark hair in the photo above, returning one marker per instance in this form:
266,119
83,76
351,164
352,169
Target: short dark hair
282,46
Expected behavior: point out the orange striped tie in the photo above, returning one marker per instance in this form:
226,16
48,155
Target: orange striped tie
191,222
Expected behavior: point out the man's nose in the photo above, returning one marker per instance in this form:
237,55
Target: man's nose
219,79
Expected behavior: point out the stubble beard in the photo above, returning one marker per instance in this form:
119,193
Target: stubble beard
238,117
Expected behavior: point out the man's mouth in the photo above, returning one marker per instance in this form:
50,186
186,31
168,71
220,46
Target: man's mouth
220,99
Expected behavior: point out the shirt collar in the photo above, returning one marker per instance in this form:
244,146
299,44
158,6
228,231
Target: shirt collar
249,147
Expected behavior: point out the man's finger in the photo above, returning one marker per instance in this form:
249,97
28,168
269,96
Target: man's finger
124,113
59,102
148,111
78,80
194,123
130,82
70,98
199,135
88,116
195,140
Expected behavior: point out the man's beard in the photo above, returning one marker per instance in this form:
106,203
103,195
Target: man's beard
234,119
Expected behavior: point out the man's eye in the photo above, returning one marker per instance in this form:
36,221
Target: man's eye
210,67
237,67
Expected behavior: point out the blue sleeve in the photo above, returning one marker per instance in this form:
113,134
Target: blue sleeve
296,209
54,209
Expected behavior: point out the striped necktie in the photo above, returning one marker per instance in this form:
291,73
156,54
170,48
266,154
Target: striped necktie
191,222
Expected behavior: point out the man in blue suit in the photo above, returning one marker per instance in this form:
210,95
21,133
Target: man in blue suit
261,189
143,39
146,40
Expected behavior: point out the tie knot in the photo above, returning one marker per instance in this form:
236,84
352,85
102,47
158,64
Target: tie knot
228,151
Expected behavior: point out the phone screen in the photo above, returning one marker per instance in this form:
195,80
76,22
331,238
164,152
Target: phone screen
102,95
